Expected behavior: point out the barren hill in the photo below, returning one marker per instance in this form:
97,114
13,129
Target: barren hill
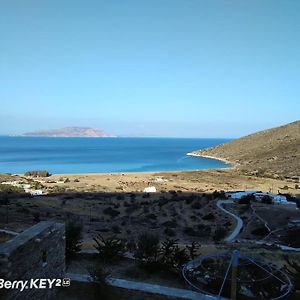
70,132
274,152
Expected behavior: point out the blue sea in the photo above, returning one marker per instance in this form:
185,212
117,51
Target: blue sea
103,155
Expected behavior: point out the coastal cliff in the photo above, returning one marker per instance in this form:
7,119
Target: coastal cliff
273,153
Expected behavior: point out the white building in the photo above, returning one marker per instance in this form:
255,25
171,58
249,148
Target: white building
276,199
150,189
238,195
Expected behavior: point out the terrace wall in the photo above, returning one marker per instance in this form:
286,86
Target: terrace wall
38,252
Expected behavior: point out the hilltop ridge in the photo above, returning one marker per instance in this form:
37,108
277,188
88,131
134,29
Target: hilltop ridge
273,152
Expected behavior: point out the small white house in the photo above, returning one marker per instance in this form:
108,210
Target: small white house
279,199
276,199
150,189
36,193
238,195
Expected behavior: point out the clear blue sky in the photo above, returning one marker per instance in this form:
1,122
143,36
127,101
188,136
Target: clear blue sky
193,68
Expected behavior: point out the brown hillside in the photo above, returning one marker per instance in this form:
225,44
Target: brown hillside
274,152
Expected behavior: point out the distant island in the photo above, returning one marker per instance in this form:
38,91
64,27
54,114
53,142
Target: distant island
70,132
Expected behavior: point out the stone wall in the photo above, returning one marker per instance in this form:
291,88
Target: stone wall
38,252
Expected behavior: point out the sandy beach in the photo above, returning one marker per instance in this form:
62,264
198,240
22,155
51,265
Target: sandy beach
232,165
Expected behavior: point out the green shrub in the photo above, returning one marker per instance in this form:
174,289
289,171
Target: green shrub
116,229
188,200
151,216
289,197
203,230
37,173
292,267
100,287
193,249
166,251
220,233
110,248
111,212
169,232
190,231
170,223
261,231
162,201
73,239
171,256
180,257
246,199
36,185
4,200
196,205
208,217
8,188
220,195
131,245
148,247
266,199
36,217
292,237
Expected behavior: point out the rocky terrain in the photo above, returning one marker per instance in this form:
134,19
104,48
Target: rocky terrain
70,132
271,153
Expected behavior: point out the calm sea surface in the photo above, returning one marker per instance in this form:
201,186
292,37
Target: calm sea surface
103,155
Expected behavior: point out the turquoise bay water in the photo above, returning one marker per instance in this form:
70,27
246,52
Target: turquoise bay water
103,155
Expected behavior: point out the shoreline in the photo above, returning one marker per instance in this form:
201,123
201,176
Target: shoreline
124,173
193,154
231,166
213,157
